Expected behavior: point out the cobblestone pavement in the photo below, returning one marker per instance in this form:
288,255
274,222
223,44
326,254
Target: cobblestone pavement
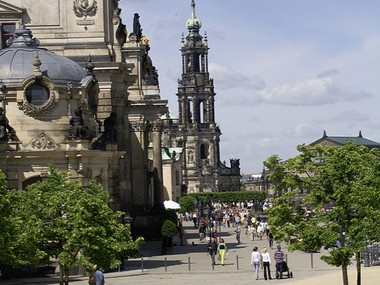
156,268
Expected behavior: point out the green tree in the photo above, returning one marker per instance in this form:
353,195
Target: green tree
347,181
12,236
187,203
75,224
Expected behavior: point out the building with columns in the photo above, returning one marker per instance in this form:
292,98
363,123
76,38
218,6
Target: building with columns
82,94
196,129
79,91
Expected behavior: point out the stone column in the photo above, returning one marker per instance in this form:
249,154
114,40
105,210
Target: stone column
157,164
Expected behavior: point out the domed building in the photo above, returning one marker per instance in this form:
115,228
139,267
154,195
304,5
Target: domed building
48,115
84,97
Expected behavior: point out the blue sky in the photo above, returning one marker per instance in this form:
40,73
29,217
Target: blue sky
284,70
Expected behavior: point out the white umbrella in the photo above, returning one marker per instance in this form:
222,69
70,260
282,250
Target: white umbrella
169,204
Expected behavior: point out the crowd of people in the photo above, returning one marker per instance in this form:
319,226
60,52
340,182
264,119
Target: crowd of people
244,222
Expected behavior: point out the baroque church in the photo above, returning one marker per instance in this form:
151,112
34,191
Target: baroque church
79,91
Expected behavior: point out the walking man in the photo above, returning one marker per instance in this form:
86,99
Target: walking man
212,249
238,231
279,257
99,277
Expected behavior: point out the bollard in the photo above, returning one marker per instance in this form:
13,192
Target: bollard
142,264
286,258
237,262
311,259
189,263
166,265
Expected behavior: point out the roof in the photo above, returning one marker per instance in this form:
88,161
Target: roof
342,140
17,62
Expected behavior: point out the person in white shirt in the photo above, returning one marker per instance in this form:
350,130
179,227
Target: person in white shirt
255,261
266,263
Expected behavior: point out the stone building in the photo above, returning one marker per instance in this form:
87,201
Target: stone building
196,130
83,96
79,91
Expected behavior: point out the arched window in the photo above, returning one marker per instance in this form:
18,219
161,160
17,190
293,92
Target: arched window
30,181
204,151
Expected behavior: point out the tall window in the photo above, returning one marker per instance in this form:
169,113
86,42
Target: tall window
204,151
7,31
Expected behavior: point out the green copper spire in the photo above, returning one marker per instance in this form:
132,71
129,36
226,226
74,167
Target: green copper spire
193,23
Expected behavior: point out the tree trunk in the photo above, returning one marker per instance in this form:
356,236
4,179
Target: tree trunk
358,269
67,275
60,273
63,275
345,275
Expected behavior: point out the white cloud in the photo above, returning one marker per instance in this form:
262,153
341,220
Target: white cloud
303,130
228,79
322,90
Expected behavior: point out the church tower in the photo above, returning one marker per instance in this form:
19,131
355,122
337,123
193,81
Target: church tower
200,135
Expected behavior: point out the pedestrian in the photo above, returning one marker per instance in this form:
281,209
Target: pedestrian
252,232
99,277
279,257
181,234
222,250
212,248
265,257
270,239
195,220
238,231
255,261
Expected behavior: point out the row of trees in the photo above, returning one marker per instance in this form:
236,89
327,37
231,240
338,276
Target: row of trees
59,218
189,202
344,196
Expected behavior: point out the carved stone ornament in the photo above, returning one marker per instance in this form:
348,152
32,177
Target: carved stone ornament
30,109
85,8
43,142
137,126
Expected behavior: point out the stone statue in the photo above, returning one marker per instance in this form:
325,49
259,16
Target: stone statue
109,135
78,128
6,131
137,27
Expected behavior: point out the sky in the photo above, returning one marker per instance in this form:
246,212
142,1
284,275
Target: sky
284,70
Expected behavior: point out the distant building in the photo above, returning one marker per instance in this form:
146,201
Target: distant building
338,141
260,182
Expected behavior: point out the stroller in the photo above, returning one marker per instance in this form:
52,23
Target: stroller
285,271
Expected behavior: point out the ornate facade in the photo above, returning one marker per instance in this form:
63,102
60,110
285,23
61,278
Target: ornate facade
196,130
89,105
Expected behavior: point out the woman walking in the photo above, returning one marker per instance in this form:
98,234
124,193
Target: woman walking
266,263
255,261
222,250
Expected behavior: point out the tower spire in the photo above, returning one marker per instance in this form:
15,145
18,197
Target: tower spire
193,23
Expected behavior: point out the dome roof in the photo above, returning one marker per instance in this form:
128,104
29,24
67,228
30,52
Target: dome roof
193,23
16,62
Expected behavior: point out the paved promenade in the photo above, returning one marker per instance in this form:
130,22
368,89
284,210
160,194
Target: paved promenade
174,268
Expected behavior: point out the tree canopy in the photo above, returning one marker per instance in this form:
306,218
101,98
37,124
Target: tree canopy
341,210
74,224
